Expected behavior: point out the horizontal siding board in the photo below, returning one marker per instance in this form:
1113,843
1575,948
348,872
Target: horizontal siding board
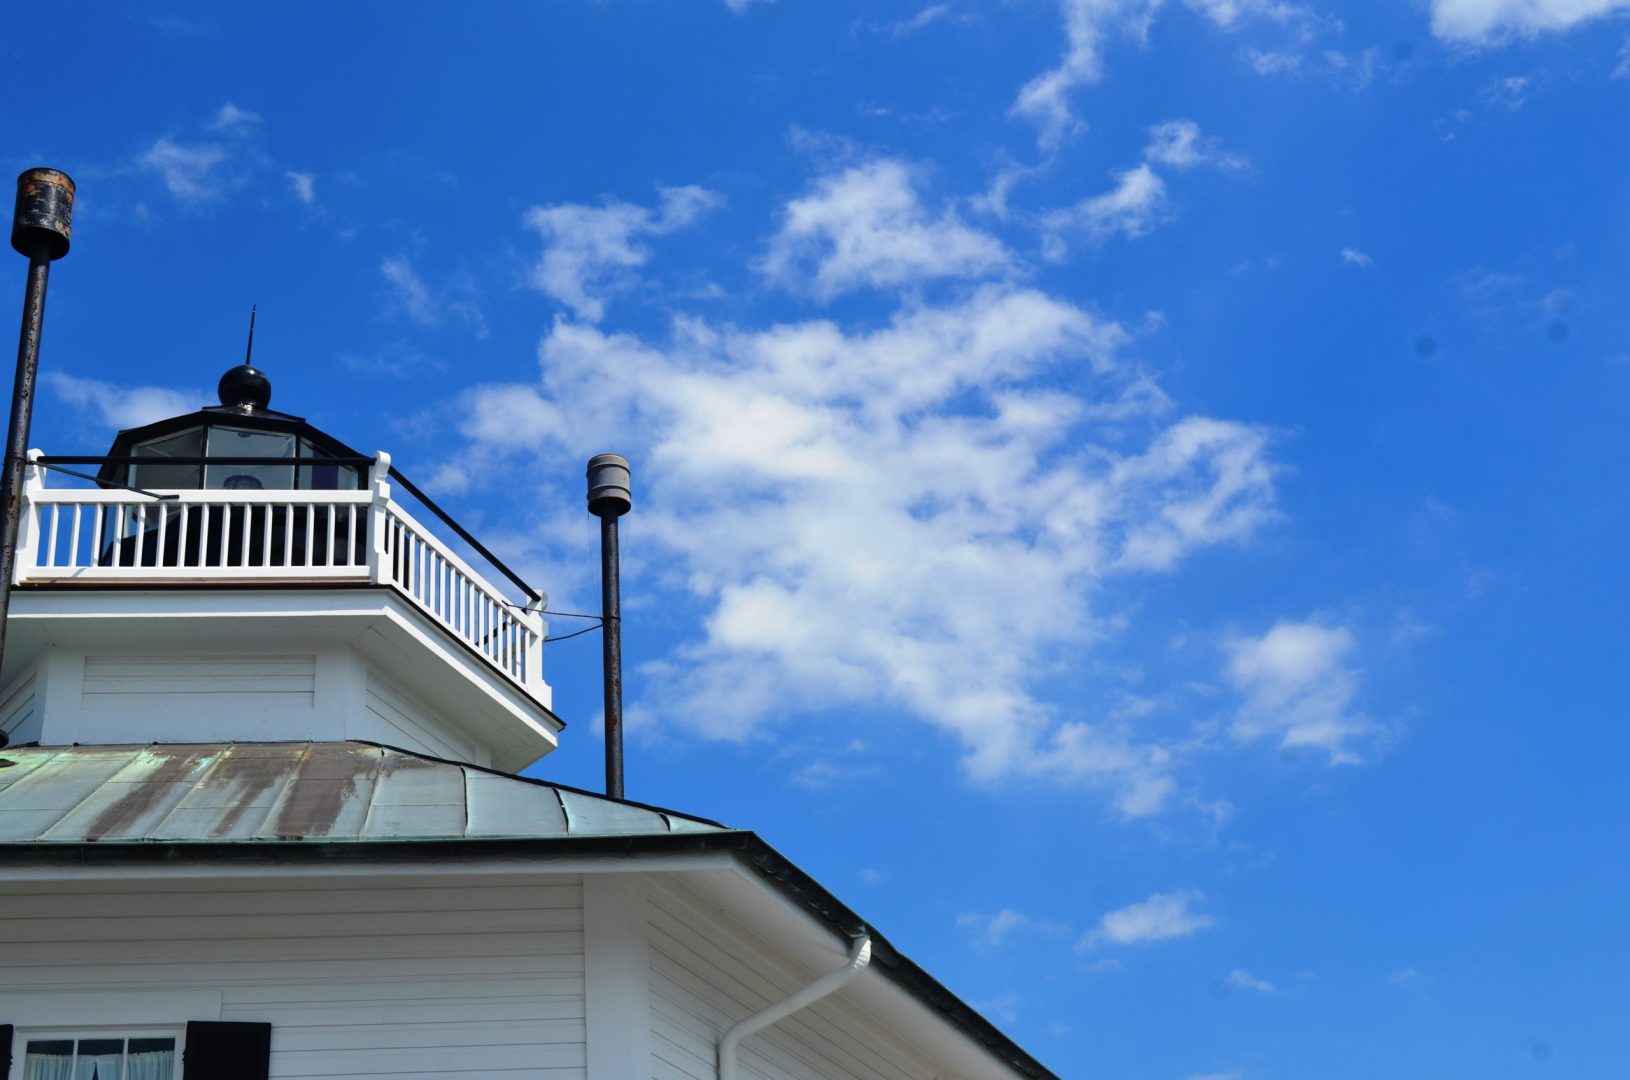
567,899
360,980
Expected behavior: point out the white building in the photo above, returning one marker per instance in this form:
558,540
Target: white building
258,817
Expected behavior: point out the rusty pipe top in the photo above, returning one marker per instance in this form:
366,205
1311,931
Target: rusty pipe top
42,224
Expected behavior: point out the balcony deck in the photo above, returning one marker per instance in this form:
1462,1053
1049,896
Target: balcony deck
214,537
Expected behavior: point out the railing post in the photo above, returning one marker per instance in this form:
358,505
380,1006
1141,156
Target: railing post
534,644
28,535
379,481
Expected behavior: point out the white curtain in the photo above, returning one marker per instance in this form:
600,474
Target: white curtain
150,1066
95,1066
49,1066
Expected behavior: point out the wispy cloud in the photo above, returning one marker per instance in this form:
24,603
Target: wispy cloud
1132,208
231,118
1355,257
412,297
304,186
867,227
590,253
1162,917
1492,22
1508,92
1298,686
116,406
1181,145
740,7
188,171
1239,979
924,18
993,930
1045,100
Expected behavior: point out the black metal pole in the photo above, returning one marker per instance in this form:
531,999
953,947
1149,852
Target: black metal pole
611,644
610,499
40,229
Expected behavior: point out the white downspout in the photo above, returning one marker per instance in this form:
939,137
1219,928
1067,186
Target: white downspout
860,954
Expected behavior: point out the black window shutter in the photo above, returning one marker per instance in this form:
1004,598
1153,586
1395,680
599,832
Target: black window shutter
5,1051
227,1050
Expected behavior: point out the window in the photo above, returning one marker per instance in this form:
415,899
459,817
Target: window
202,1050
99,1056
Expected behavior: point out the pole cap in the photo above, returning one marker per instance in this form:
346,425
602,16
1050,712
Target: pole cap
42,224
609,492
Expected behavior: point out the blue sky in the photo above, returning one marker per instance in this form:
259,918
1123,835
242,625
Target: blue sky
1128,494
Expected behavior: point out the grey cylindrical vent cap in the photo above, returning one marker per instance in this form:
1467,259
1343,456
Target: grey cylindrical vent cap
609,493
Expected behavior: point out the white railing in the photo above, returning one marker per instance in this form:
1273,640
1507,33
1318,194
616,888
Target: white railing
218,537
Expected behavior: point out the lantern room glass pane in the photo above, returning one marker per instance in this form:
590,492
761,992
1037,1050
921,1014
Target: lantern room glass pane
185,444
326,477
225,442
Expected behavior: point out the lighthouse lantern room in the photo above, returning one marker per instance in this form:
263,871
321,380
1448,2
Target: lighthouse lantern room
237,574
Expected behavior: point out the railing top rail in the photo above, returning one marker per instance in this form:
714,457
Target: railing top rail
201,496
447,519
238,459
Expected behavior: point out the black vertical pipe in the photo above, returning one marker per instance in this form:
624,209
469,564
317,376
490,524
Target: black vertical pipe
41,229
609,499
611,644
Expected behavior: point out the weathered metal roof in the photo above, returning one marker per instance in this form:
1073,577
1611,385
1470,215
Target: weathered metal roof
325,791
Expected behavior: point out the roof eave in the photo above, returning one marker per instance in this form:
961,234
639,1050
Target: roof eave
748,849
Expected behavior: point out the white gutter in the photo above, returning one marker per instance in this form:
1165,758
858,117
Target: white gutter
860,954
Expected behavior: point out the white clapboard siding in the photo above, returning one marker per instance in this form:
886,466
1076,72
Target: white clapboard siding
395,978
706,975
396,719
17,712
122,683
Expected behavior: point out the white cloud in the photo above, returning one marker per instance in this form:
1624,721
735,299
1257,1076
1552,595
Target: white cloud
1231,14
1244,980
1508,92
1180,144
231,118
861,511
929,15
740,7
1355,257
188,172
410,291
1298,685
994,929
1162,917
1272,61
1133,207
1485,22
1214,1076
427,306
1621,70
120,407
866,227
590,252
1044,100
304,186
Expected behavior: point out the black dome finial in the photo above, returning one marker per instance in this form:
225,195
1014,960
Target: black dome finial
246,387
